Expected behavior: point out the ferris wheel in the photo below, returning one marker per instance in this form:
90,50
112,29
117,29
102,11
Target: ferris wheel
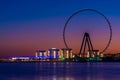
88,10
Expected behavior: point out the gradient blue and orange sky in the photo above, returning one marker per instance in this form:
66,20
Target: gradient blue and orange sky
28,25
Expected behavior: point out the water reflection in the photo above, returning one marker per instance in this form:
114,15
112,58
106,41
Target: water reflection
59,71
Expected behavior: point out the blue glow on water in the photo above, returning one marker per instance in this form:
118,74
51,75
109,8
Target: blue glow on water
60,71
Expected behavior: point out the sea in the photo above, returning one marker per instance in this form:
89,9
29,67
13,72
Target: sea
60,71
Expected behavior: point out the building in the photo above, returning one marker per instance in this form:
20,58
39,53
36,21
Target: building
21,58
53,53
40,54
94,55
66,53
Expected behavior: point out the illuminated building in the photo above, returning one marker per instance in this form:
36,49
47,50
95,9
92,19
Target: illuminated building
40,54
53,53
37,53
93,53
21,58
66,53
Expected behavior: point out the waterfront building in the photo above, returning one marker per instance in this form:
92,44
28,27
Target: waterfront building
93,53
40,54
21,58
66,53
53,53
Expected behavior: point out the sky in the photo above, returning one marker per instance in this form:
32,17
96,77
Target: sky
29,25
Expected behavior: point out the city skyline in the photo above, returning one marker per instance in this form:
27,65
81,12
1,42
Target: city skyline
26,26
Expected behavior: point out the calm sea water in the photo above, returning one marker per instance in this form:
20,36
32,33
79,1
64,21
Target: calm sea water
60,71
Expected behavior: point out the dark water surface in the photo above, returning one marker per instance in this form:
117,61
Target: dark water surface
60,71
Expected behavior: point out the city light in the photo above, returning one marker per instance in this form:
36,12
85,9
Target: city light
55,54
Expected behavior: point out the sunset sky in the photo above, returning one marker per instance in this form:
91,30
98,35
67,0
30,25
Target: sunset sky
28,25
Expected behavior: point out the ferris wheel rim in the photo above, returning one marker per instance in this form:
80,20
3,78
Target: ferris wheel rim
92,10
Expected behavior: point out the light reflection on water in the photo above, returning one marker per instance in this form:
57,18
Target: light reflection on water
60,71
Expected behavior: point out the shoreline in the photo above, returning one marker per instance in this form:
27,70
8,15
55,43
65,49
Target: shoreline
53,61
